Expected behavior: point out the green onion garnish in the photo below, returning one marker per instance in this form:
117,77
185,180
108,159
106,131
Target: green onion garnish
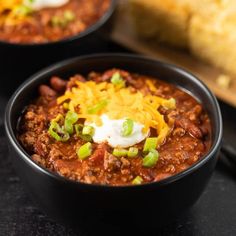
86,138
120,152
127,127
117,80
69,16
151,158
22,10
98,107
84,151
64,20
70,119
57,132
137,180
150,143
88,130
132,152
78,131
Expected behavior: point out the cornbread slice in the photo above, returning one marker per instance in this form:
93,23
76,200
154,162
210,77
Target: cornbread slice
206,27
213,38
164,21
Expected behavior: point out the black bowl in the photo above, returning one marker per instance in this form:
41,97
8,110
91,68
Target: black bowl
70,201
19,61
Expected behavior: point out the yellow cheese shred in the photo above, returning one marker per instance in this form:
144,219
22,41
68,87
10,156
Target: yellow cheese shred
121,103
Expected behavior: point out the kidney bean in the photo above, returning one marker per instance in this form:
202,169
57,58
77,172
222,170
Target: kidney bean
46,91
58,84
204,130
179,132
190,127
195,112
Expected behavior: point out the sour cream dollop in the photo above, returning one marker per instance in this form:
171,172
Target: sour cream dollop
39,4
111,132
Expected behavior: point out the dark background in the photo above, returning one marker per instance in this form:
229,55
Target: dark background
213,214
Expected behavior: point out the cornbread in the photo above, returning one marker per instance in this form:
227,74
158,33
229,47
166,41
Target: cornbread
164,21
207,28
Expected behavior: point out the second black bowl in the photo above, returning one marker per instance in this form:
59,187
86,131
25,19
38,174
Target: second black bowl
155,202
19,61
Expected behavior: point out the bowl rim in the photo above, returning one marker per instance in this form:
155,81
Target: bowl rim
37,76
98,24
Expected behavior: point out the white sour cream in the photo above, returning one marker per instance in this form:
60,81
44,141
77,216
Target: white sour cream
110,132
39,4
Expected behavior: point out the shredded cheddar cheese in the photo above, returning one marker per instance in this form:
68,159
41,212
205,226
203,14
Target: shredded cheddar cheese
120,103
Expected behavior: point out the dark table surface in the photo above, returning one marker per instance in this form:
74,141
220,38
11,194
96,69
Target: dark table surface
213,214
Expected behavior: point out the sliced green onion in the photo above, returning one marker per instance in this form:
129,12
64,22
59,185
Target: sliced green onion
22,10
84,151
120,152
78,131
127,127
132,152
88,130
150,143
70,119
64,20
98,107
56,21
69,16
86,138
137,180
57,132
151,158
117,80
58,118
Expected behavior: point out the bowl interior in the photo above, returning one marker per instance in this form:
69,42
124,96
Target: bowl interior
84,65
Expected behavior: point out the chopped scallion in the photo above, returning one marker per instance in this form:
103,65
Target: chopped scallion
88,130
120,152
117,80
132,152
78,131
150,143
22,10
127,127
69,16
137,180
64,20
70,119
151,158
84,151
57,132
